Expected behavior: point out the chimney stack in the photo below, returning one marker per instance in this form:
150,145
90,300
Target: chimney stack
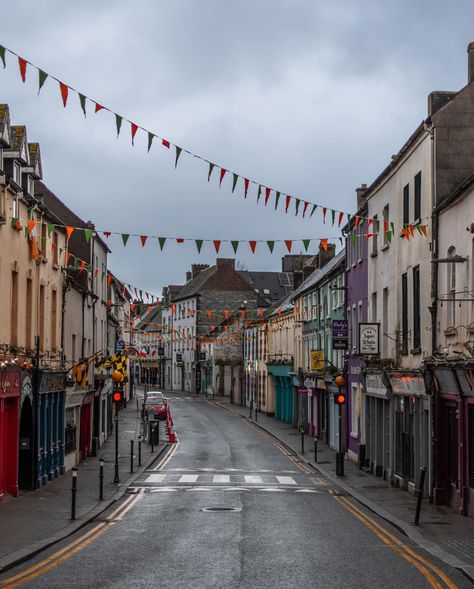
197,268
360,192
470,62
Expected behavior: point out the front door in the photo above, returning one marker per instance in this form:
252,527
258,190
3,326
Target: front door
85,440
26,448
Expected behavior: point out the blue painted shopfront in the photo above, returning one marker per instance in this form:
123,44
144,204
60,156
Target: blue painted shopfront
284,392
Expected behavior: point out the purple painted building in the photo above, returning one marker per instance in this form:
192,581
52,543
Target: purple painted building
357,248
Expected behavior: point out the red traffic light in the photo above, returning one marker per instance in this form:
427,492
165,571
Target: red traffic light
340,399
117,396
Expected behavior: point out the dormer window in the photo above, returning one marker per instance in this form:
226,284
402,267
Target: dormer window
17,173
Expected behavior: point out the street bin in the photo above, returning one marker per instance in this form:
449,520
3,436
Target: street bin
154,433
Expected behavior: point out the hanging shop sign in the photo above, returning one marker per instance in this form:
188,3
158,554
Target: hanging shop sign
369,339
317,359
340,334
407,384
374,386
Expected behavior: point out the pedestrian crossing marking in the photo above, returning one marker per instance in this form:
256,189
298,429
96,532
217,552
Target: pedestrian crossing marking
188,478
155,478
231,489
286,480
221,478
272,490
253,479
307,491
162,489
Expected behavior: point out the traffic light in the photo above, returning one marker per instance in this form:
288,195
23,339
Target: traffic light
340,398
117,396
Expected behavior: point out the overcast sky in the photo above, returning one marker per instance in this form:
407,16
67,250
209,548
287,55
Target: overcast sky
311,98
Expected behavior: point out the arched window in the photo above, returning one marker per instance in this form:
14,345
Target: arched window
452,288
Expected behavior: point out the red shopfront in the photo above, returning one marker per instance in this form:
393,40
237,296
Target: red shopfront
10,379
465,378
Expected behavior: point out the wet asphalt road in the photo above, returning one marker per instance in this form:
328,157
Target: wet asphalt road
286,527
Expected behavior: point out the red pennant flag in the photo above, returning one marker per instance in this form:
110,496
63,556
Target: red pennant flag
406,233
68,257
279,310
83,265
341,216
22,63
423,229
173,309
223,171
64,92
305,207
385,226
143,239
134,129
287,204
166,143
107,234
226,314
242,312
98,107
412,230
179,240
132,306
289,244
97,271
325,210
31,225
253,245
217,245
246,186
267,195
369,235
69,231
324,244
356,220
370,222
297,309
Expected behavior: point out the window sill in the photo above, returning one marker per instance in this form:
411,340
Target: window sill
359,261
354,435
374,254
385,247
415,351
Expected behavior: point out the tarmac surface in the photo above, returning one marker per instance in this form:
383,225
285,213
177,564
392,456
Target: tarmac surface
230,506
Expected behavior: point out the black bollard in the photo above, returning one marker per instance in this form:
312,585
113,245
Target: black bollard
315,449
73,493
251,407
131,455
140,451
421,484
302,440
101,479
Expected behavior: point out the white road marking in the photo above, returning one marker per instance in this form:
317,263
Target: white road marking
320,481
188,478
235,489
162,490
253,479
307,491
286,480
221,478
273,490
201,489
155,478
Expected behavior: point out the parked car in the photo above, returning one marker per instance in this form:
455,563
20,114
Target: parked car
154,394
155,408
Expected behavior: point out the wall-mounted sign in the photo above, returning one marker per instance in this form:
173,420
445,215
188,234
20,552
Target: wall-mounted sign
340,334
369,339
179,357
202,356
317,359
407,384
161,351
466,380
119,345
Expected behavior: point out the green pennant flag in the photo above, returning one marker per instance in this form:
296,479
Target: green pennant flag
125,237
234,181
103,275
75,262
419,229
50,229
259,193
42,79
211,167
161,241
297,205
306,243
88,234
235,245
353,239
82,100
150,141
118,122
348,218
90,268
178,153
2,55
312,211
333,215
340,240
392,227
389,236
198,244
14,220
277,198
271,245
141,295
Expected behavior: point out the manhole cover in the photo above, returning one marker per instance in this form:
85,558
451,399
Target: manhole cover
221,509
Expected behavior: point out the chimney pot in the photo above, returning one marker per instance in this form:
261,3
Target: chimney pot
470,62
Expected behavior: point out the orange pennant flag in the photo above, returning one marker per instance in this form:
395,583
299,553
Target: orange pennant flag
31,225
109,279
324,244
69,231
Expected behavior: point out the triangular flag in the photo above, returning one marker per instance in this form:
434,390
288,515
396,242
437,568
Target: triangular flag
312,210
217,245
179,240
356,223
324,244
246,186
325,210
341,216
31,225
178,153
50,229
271,245
161,241
211,167
2,55
259,193
385,226
98,107
297,206
198,243
306,243
333,216
83,266
288,243
88,234
107,233
143,239
82,100
412,230
150,140
235,245
133,131
353,239
287,202
235,177
389,236
277,199
69,231
305,206
118,123
340,240
22,63
253,245
41,79
165,143
125,237
424,230
64,92
221,177
68,257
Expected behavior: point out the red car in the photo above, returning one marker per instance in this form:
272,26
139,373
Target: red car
155,408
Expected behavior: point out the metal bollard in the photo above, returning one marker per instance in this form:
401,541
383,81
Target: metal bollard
421,484
140,451
302,440
315,449
131,455
256,411
101,479
251,407
151,437
73,492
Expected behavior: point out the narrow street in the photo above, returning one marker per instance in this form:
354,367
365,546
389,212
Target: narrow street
229,506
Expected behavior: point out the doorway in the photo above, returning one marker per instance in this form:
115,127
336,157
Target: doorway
26,448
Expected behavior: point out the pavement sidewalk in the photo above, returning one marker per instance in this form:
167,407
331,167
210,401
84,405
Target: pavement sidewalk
442,532
37,519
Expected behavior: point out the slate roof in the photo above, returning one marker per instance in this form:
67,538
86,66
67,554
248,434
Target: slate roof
193,286
17,132
279,285
154,316
319,274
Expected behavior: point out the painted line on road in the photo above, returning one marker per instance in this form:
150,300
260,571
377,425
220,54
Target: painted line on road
164,461
398,546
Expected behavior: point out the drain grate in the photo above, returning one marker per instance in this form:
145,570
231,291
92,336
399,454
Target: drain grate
221,509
